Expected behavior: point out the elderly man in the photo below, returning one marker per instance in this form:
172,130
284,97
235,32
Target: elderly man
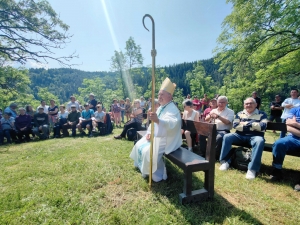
72,121
23,125
287,144
222,117
167,135
12,110
250,125
41,124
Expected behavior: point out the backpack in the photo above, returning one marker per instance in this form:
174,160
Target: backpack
131,134
102,129
241,158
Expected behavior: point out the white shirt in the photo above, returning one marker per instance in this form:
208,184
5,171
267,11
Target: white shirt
46,107
72,103
99,116
227,114
63,115
294,101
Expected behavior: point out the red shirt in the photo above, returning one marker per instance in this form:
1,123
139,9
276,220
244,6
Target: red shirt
206,112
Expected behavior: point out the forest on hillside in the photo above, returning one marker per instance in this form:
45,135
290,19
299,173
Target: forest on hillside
64,82
258,49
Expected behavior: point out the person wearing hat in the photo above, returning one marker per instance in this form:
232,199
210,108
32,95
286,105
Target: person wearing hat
222,117
197,103
167,135
23,125
72,121
12,109
92,102
41,124
7,124
85,121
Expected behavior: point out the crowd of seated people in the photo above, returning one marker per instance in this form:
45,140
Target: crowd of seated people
249,124
18,124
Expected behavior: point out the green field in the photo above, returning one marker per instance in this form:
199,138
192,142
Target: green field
93,181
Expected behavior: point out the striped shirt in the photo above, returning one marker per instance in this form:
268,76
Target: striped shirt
250,124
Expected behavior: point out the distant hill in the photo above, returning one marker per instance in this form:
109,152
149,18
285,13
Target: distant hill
65,82
62,82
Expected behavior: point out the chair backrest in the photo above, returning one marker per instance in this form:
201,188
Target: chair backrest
276,126
206,129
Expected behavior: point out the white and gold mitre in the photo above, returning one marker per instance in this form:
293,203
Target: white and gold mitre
168,86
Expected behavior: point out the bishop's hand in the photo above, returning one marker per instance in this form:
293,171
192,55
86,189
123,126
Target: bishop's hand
153,117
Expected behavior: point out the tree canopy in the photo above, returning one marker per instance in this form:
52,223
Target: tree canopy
30,30
259,47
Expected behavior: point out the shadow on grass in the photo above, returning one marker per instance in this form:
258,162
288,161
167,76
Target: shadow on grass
290,176
219,210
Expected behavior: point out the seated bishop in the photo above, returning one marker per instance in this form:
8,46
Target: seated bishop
167,135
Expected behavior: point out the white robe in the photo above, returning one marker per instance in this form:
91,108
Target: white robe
167,138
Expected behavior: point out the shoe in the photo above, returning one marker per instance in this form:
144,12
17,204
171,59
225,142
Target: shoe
297,187
224,166
276,175
94,130
73,135
91,135
82,134
118,137
250,175
56,136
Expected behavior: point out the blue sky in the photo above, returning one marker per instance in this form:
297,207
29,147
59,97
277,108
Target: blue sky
186,30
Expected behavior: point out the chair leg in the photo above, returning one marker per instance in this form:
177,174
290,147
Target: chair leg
209,182
187,188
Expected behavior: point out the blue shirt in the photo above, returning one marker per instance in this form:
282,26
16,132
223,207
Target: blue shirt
87,114
7,124
9,110
294,112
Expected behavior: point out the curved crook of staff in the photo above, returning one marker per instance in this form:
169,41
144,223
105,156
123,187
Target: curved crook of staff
153,54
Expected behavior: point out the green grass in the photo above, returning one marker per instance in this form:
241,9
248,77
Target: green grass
93,181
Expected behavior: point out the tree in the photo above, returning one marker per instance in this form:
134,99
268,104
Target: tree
133,54
46,96
118,64
199,82
30,30
261,40
12,83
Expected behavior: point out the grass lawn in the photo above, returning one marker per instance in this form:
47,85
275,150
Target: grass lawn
93,181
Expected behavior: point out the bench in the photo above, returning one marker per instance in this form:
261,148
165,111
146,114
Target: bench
190,162
268,146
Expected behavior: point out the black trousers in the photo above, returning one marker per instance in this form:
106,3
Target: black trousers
127,126
25,133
